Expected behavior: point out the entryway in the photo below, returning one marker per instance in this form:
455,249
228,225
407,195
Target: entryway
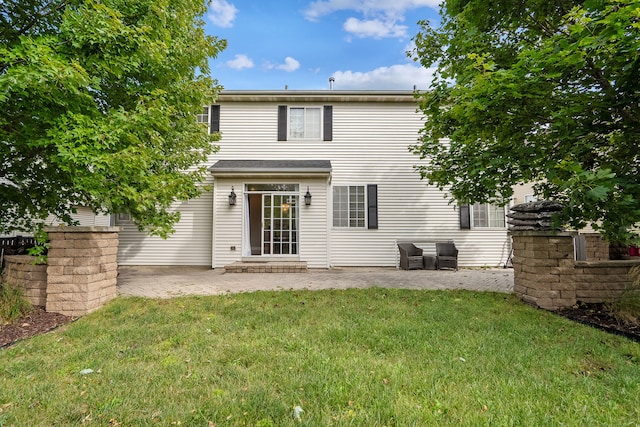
272,218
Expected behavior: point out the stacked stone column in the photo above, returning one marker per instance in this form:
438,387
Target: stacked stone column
82,268
543,267
597,249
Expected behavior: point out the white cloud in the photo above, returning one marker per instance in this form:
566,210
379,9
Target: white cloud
289,65
396,77
222,13
374,28
390,8
240,62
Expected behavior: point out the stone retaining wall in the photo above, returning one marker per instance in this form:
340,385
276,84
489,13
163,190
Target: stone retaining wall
81,271
546,274
21,271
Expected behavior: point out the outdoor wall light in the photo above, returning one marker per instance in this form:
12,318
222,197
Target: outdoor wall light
307,198
232,197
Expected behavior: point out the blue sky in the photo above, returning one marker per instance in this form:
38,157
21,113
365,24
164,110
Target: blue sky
301,43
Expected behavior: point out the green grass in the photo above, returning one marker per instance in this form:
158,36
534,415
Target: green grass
370,357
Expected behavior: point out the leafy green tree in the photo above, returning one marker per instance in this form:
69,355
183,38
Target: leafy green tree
98,102
536,91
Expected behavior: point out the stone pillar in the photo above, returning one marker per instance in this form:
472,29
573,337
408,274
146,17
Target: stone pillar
21,271
543,268
82,268
597,249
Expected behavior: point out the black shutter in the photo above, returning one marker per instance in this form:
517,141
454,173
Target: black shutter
214,118
465,217
328,122
372,206
282,122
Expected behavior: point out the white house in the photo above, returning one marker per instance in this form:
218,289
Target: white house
348,150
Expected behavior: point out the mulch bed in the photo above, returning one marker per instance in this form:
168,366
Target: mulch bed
38,321
597,315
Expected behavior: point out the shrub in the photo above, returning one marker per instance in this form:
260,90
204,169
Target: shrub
13,304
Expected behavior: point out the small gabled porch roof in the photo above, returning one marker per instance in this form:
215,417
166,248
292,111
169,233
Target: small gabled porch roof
271,168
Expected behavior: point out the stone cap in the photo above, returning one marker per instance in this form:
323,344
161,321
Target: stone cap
82,229
609,263
542,233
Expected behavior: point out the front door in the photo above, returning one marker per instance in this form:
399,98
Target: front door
273,219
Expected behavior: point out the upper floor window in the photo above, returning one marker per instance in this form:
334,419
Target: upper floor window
204,116
211,117
313,123
304,123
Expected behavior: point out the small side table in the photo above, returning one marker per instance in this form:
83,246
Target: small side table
429,262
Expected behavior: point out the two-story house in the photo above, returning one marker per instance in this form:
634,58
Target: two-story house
324,177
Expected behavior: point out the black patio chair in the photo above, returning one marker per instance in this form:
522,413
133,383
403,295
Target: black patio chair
446,255
410,256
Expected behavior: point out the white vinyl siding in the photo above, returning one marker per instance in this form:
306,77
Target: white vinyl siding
85,217
189,245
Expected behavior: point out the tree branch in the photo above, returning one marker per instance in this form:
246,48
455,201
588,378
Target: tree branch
41,14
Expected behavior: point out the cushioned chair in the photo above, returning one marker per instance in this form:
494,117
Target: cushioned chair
446,255
410,256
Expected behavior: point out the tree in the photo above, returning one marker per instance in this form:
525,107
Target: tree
99,100
536,91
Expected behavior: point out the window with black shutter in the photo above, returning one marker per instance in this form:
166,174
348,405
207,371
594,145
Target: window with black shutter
214,125
305,123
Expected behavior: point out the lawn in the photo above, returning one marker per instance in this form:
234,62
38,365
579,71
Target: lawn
374,357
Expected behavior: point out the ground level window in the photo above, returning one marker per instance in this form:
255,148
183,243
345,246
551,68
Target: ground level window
486,215
349,208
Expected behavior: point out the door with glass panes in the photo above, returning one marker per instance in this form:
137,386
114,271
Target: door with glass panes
273,219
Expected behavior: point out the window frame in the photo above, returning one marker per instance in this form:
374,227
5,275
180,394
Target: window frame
204,116
319,127
122,219
490,222
348,210
324,126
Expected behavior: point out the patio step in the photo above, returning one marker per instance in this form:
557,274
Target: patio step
267,267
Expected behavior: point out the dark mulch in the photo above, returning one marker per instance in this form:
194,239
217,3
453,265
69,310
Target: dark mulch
598,315
38,321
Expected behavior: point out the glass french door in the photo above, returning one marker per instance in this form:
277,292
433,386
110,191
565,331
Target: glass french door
280,224
271,222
